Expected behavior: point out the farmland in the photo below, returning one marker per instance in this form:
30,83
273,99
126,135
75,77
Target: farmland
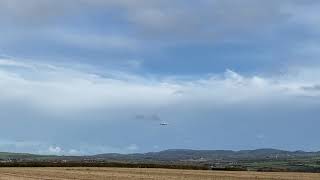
59,173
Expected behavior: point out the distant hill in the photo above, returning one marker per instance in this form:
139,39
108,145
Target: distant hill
8,155
209,155
23,156
176,155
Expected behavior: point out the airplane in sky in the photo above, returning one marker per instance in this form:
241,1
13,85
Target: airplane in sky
163,124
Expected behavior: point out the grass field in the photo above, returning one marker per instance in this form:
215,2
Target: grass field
140,174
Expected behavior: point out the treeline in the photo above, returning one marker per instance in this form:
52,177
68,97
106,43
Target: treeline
102,164
163,166
306,169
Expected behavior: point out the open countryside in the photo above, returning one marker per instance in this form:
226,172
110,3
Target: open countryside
159,89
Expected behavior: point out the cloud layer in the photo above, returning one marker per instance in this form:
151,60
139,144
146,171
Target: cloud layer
54,96
95,76
63,88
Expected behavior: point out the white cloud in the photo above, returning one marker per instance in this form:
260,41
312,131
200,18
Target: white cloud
133,147
61,89
45,148
8,62
37,147
74,152
54,150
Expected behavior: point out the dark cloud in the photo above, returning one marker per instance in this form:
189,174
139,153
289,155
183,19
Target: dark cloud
258,33
201,20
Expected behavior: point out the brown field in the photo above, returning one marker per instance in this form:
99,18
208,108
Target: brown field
140,174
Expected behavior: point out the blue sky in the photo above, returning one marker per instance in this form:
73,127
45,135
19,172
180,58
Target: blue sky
98,76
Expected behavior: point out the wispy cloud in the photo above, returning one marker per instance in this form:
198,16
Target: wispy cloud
68,89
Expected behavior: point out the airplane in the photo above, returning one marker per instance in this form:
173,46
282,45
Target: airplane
163,124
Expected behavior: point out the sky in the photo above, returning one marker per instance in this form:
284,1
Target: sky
98,76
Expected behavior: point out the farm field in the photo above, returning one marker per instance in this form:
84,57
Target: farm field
64,173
